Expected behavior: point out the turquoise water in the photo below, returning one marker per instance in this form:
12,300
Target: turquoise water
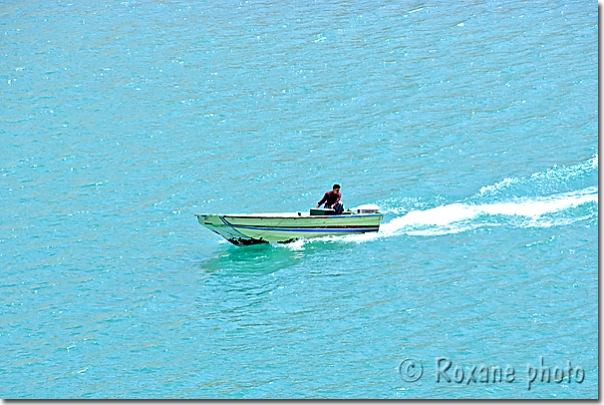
473,126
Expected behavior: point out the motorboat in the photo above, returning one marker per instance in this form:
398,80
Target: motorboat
249,229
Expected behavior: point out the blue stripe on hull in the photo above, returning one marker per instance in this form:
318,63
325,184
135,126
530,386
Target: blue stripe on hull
315,230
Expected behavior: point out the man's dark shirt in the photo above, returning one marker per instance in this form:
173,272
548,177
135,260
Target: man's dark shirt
330,198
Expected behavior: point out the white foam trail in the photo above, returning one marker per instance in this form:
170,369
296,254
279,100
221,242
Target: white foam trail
461,217
497,186
447,215
296,245
567,172
556,173
541,223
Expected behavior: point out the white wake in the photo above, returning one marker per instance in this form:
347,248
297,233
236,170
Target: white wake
543,211
458,217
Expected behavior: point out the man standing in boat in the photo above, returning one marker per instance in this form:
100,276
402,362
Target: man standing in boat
332,200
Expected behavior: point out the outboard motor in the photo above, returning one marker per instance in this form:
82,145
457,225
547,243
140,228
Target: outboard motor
368,209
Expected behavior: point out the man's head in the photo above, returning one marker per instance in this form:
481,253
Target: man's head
336,188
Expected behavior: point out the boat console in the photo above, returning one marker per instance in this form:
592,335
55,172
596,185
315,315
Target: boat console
322,211
361,209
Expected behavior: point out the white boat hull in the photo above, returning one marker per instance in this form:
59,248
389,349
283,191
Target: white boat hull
283,228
